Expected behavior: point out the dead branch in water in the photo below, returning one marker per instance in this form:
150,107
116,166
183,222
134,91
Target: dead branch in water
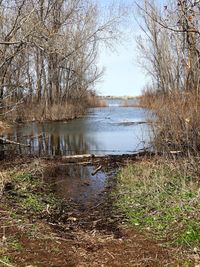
12,142
97,169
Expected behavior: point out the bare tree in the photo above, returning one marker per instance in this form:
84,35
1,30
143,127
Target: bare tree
171,44
49,51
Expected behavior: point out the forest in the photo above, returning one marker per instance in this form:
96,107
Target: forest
48,56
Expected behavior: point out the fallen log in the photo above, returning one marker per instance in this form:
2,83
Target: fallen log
12,142
83,156
75,158
91,158
96,156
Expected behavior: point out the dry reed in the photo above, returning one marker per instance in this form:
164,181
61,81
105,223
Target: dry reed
34,111
41,112
95,101
177,126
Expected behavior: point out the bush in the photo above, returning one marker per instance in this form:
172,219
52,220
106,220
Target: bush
177,125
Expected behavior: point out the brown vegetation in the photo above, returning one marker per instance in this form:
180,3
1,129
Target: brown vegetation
127,103
177,126
95,101
3,126
69,109
38,112
48,55
171,56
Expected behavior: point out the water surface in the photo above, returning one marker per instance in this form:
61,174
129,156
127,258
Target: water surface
110,130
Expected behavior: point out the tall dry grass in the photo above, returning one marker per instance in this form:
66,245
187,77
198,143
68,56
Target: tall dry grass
41,112
95,101
177,126
148,99
34,111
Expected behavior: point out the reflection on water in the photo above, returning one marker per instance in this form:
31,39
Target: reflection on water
110,130
76,182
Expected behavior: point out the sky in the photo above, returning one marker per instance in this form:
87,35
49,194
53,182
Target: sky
123,75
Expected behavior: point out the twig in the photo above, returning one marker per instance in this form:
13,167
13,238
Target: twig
4,235
97,169
19,224
96,206
111,255
13,142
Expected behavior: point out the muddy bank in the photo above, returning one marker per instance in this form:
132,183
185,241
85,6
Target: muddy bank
43,223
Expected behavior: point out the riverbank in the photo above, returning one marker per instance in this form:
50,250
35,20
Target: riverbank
177,123
41,111
41,229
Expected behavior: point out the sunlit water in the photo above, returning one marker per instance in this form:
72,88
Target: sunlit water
110,130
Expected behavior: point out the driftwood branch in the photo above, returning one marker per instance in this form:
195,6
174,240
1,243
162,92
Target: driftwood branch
97,169
12,142
75,158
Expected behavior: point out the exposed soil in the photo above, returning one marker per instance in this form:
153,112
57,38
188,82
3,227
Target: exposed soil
76,234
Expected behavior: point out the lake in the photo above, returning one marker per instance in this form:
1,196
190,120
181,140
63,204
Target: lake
109,130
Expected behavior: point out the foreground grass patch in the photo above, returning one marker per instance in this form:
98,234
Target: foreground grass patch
29,193
163,199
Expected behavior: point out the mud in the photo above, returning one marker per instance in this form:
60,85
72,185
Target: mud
84,229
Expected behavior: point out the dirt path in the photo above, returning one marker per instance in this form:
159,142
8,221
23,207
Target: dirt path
75,235
45,245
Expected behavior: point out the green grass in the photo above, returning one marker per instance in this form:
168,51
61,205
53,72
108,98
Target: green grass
6,259
32,194
33,202
23,177
163,199
14,244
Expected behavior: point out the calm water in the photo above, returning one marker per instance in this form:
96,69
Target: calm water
77,183
110,130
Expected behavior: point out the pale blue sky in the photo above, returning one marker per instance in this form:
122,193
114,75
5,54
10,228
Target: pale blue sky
123,75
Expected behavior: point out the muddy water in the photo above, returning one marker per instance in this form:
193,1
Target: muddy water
77,182
110,130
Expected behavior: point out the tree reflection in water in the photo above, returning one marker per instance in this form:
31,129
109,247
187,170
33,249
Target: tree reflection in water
49,142
110,130
76,182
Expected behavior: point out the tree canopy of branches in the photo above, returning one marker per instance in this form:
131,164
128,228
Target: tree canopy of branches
171,44
48,50
171,55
